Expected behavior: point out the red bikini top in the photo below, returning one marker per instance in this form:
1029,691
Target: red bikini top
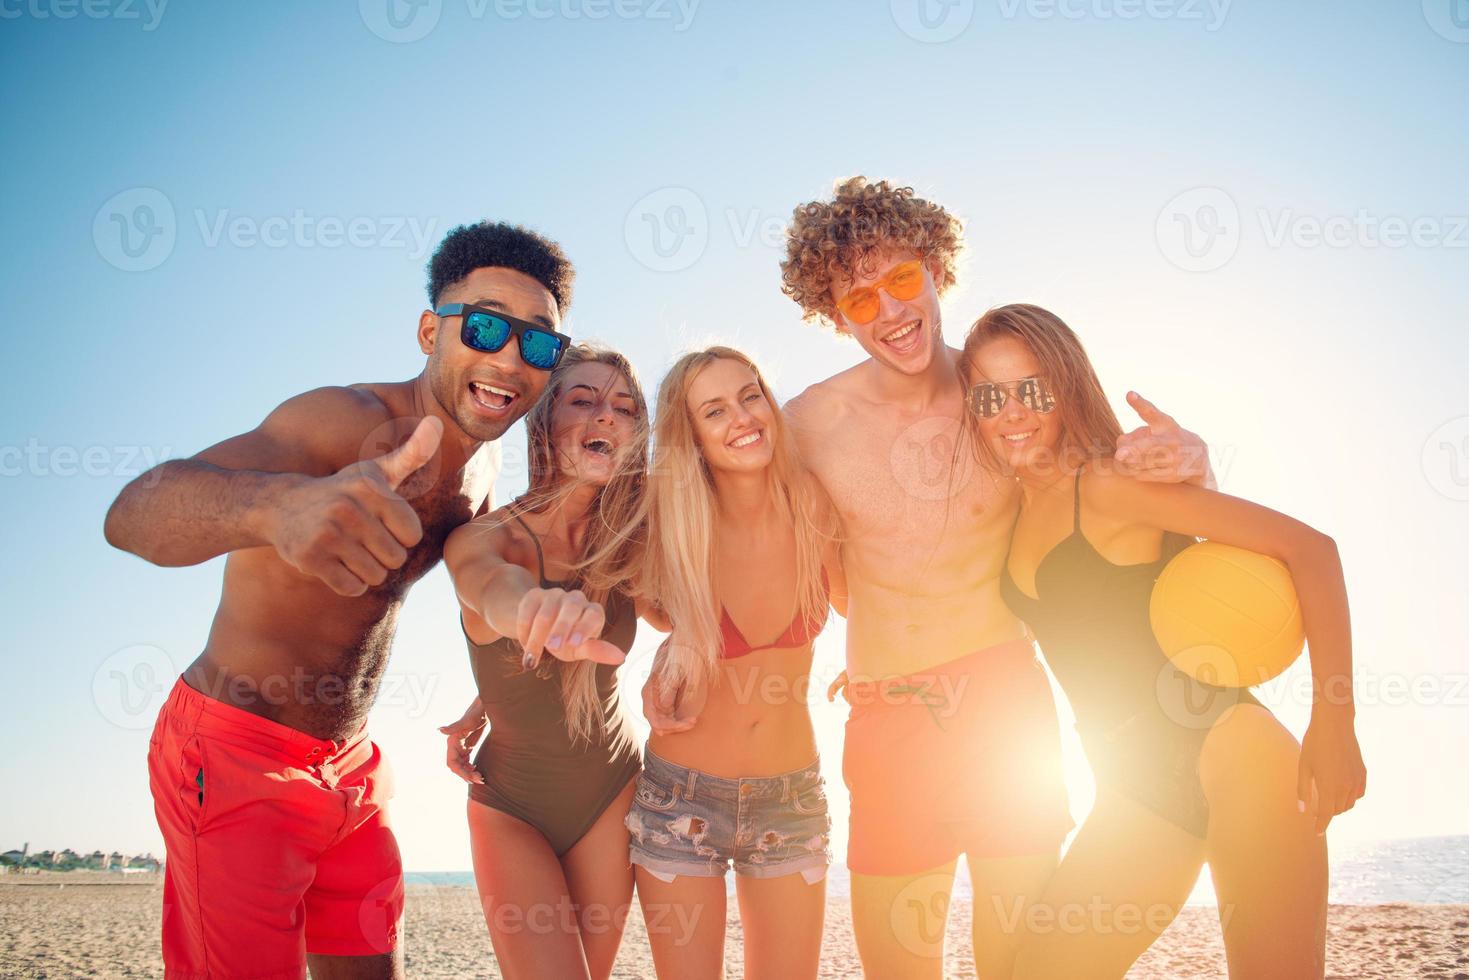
798,634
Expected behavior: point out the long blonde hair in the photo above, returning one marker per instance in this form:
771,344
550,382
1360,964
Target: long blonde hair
678,573
612,548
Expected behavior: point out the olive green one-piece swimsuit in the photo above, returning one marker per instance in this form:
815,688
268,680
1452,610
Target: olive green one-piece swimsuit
532,768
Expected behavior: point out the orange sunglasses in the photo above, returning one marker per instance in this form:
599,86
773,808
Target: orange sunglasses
904,281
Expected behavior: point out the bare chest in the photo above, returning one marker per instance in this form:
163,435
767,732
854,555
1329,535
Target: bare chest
907,479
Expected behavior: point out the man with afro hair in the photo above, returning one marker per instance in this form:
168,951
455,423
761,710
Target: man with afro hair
271,798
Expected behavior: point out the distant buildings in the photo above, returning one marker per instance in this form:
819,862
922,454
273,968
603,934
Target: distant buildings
69,860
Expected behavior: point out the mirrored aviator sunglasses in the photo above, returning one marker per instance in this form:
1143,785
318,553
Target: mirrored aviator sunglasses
987,398
490,330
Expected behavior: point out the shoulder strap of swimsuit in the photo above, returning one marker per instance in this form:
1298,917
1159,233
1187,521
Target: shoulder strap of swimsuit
1076,502
540,557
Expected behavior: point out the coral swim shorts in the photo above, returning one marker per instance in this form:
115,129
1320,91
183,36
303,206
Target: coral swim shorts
962,757
278,843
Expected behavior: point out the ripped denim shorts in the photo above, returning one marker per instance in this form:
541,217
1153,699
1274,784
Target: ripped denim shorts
687,822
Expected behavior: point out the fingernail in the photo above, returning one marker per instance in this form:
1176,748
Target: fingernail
1300,806
554,643
527,661
576,639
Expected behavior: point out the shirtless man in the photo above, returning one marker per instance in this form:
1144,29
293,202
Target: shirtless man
952,745
270,796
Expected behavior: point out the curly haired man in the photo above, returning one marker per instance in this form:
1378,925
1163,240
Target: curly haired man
952,745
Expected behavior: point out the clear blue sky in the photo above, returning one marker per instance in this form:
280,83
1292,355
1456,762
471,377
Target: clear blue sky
1162,181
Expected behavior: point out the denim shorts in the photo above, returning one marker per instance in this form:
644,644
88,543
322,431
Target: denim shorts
687,822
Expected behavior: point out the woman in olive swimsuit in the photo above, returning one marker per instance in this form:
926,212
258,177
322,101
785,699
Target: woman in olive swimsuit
542,586
1185,773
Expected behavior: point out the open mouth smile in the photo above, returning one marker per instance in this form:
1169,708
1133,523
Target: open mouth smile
492,398
747,440
905,338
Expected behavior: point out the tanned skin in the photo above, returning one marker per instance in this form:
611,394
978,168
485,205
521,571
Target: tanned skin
925,530
329,511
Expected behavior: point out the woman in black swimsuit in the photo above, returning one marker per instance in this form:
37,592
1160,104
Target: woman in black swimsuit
1186,773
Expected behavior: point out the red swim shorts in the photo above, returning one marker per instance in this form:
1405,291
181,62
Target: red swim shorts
964,757
278,843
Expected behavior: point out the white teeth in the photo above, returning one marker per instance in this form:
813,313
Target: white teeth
502,392
598,446
747,440
899,335
1021,437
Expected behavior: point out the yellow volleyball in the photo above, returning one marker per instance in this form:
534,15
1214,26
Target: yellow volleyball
1227,616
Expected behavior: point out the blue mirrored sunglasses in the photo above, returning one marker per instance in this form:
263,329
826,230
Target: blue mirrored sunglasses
490,330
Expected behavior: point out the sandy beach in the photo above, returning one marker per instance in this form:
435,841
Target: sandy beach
100,925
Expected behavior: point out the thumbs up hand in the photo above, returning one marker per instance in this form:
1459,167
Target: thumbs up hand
350,529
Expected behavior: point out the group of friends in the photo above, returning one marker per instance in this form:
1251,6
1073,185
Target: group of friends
956,504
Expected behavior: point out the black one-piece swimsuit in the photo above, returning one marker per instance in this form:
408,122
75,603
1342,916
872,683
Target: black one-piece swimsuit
1142,722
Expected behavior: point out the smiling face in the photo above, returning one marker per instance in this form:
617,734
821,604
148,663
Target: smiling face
486,393
905,333
1024,440
733,421
595,421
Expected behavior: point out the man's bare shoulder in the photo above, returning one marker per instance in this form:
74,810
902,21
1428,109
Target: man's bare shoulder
317,433
824,404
